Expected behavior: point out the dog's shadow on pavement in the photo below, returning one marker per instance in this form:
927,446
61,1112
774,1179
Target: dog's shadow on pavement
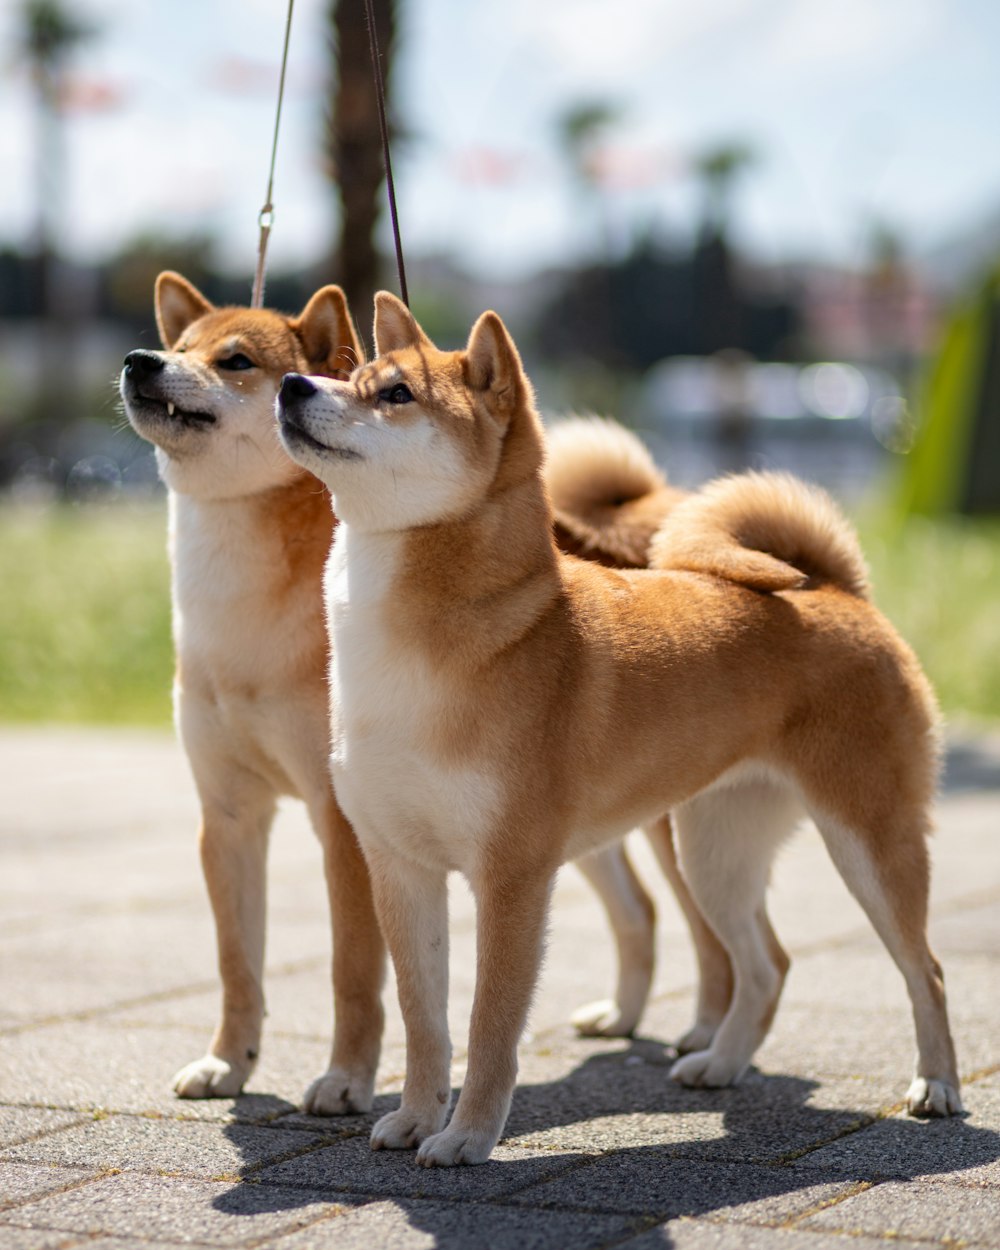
617,1139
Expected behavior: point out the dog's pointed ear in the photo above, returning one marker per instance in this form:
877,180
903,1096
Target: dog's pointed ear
395,325
327,333
178,304
492,364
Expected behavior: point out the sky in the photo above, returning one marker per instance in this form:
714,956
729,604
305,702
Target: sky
859,110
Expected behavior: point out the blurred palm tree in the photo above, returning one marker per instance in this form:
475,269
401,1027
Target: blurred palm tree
49,35
354,141
718,168
580,129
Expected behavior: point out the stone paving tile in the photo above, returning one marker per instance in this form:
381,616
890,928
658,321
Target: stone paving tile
917,1209
35,1239
353,1166
822,1041
164,1209
20,1182
18,1124
56,966
119,1243
89,1065
193,1149
864,979
972,931
651,1182
124,873
688,1234
414,1225
963,1150
611,1103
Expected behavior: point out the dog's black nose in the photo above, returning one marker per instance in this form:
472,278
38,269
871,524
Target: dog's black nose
295,386
141,364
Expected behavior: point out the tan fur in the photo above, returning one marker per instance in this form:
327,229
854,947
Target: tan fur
552,704
608,497
249,536
768,531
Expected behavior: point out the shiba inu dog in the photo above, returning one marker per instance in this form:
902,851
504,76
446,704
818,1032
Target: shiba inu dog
608,500
249,533
531,706
209,409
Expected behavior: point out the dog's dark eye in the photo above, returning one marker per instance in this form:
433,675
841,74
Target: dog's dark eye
238,361
398,394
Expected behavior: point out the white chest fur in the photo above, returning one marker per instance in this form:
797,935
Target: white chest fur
240,644
393,784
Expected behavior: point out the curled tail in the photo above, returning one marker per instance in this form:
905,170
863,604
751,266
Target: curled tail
766,531
608,496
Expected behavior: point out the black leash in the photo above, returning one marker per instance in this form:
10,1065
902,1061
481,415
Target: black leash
386,159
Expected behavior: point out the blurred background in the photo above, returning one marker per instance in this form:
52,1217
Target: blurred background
763,233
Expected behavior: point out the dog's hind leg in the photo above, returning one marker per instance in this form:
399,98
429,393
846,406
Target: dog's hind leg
358,971
888,872
728,837
236,821
715,972
632,918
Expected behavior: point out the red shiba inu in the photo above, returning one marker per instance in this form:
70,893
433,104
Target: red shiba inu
249,532
531,707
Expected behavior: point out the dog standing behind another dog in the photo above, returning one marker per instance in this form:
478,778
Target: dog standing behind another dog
249,532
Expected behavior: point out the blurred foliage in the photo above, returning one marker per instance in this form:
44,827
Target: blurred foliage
85,623
85,637
633,312
936,580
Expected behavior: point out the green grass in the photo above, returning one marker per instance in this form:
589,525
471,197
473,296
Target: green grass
85,615
938,581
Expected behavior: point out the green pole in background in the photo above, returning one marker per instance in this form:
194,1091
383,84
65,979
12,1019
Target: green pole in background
955,463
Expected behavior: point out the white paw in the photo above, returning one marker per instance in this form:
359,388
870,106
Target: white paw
927,1097
705,1069
340,1092
454,1146
210,1077
404,1129
603,1019
698,1037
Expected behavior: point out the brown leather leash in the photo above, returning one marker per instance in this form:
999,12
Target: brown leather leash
265,218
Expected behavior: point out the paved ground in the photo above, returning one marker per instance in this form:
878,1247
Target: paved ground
107,985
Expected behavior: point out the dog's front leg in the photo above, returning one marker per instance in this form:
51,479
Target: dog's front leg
233,844
412,906
358,971
512,904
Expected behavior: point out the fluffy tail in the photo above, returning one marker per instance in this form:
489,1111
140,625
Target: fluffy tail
608,496
767,531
